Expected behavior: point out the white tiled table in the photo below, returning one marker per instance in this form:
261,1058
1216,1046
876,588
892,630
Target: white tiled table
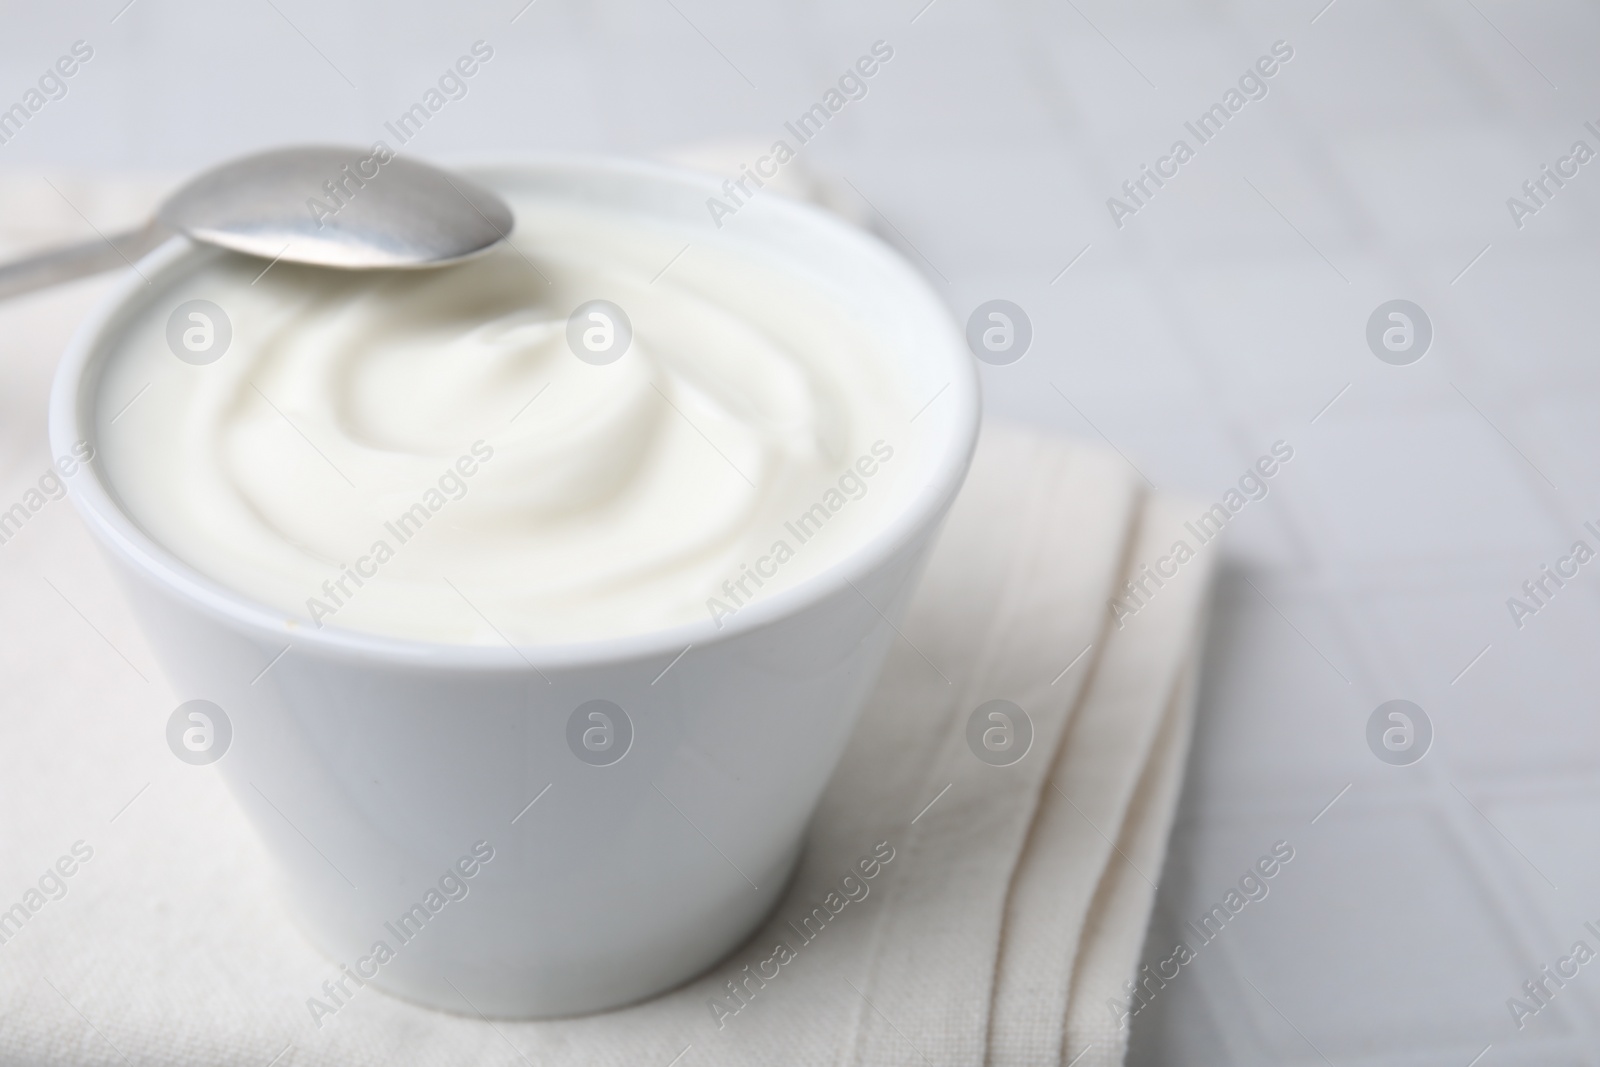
1221,318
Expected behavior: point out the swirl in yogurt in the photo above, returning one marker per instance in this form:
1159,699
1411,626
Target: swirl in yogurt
421,454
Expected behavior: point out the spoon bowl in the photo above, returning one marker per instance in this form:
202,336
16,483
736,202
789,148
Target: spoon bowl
339,207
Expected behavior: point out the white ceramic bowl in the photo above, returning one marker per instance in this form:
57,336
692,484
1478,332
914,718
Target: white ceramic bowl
372,765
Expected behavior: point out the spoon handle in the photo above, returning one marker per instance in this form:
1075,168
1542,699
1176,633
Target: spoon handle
69,262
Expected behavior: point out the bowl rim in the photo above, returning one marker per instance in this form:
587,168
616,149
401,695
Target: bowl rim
71,420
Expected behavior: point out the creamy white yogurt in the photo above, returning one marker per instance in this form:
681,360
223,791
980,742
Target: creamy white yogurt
421,454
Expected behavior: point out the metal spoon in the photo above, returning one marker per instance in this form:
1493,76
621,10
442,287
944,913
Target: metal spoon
333,207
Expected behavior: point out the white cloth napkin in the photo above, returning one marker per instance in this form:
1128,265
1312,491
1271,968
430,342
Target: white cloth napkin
1003,928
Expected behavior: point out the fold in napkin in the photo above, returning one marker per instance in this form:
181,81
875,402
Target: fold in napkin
1003,922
